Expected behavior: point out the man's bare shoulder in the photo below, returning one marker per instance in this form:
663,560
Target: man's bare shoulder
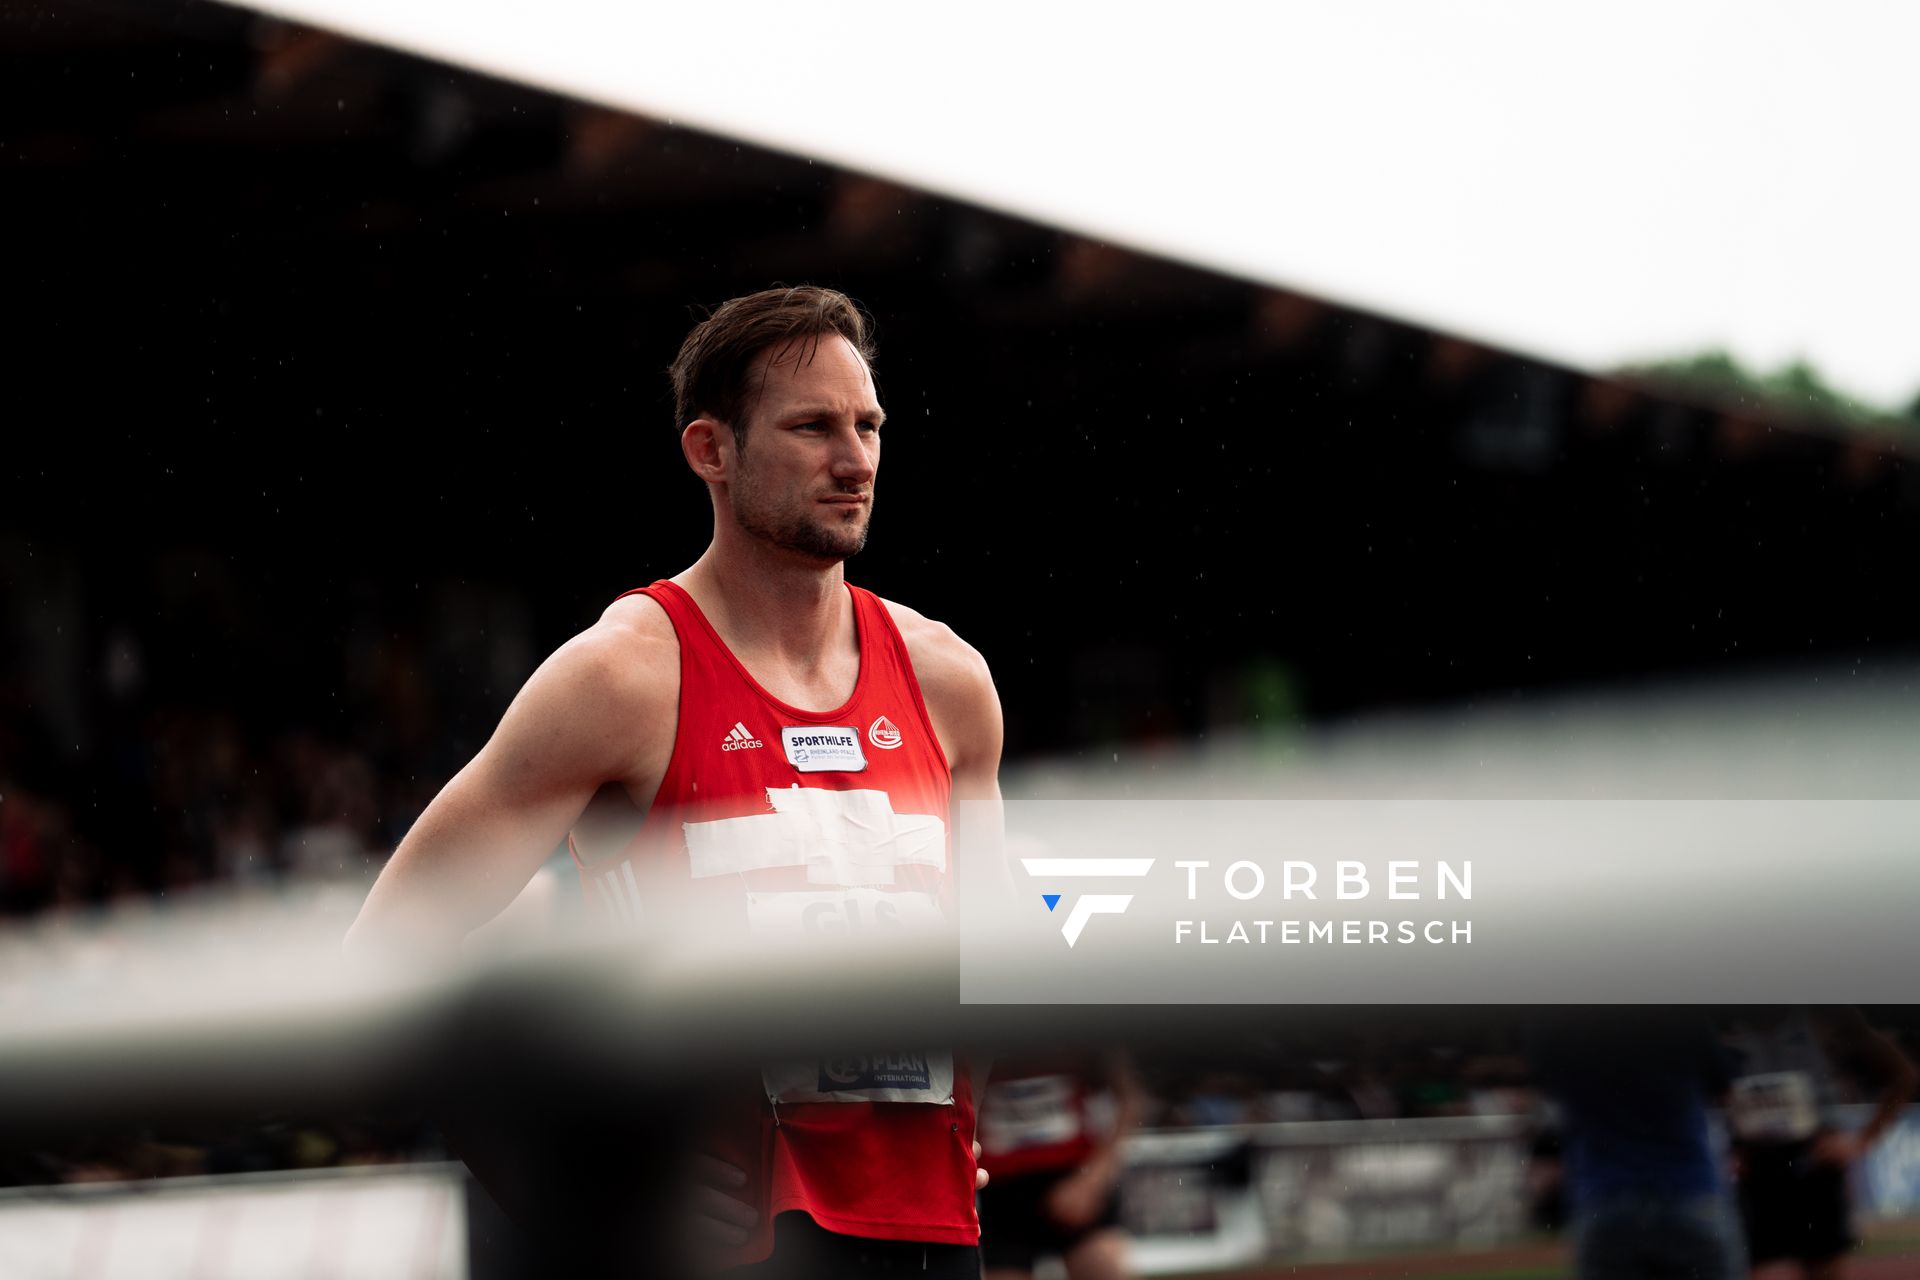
958,688
633,644
625,664
637,621
940,657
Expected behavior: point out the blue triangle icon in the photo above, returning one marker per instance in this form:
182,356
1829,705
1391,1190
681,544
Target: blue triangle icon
1051,899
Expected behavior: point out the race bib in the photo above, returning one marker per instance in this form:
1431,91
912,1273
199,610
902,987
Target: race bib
883,1077
856,912
1035,1111
878,1077
1776,1107
840,837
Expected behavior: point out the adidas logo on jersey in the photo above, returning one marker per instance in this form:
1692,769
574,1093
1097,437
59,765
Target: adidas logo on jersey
739,739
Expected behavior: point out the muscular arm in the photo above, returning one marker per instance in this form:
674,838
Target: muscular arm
601,709
1102,1168
1849,1033
965,709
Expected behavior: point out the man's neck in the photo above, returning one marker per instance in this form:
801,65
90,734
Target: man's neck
770,602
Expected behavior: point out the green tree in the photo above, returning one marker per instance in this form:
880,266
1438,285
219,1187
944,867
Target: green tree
1795,390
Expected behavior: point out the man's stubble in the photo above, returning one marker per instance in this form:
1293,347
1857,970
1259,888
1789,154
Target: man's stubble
792,523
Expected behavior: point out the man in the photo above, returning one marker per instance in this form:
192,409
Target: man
1644,1178
675,743
1051,1130
1792,1153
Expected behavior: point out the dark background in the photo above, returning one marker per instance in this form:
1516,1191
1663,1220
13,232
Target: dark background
334,399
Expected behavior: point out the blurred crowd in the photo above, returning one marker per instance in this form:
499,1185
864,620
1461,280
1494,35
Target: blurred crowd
168,728
206,806
1372,1073
167,743
272,1143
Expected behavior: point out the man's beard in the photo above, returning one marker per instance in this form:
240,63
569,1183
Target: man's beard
794,525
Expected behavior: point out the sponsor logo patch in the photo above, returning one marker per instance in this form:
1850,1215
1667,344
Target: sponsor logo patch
880,1071
812,749
739,738
925,1078
884,734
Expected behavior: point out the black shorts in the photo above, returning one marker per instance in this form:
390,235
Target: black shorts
1015,1228
1791,1206
805,1250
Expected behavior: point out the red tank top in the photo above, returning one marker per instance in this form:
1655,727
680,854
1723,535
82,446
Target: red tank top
777,818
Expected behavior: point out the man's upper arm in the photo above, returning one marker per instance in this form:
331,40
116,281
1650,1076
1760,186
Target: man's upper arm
960,696
965,707
591,714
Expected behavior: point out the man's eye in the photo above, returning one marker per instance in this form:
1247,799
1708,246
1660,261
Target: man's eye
869,427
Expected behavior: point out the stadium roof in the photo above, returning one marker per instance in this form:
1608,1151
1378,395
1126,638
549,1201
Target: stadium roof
1593,186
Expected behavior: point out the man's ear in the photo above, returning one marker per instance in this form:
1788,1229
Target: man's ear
708,446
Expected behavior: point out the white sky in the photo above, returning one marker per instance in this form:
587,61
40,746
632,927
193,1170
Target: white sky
1593,185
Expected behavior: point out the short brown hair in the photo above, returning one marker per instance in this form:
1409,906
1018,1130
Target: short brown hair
711,372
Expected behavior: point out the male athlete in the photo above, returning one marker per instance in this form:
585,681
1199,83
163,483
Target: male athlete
770,748
1051,1130
1791,1151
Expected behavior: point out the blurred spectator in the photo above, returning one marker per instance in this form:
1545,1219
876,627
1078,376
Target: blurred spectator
1649,1198
1793,1156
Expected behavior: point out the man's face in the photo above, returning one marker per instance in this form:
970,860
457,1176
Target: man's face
803,479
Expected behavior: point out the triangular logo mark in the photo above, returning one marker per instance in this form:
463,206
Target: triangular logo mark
1051,899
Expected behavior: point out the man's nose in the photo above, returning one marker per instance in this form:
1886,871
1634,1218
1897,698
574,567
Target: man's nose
852,460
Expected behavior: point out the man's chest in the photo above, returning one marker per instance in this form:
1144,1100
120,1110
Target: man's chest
735,787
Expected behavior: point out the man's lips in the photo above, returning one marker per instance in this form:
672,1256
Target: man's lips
846,499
